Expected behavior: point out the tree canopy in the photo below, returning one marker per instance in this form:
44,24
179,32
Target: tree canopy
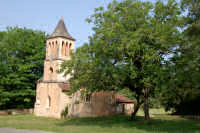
21,65
182,91
130,42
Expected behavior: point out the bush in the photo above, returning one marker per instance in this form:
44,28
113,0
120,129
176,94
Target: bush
64,112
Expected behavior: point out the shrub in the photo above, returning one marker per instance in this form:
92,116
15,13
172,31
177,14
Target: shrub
64,112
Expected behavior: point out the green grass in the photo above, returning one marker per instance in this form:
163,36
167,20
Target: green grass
160,123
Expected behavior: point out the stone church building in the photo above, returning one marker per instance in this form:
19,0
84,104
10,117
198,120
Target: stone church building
51,97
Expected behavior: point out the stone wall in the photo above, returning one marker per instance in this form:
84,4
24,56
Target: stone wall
128,108
50,100
99,104
16,111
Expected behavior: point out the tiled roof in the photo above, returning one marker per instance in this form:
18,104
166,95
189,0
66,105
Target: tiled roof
65,87
122,99
61,31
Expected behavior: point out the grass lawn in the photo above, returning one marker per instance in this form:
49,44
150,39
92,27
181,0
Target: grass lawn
160,123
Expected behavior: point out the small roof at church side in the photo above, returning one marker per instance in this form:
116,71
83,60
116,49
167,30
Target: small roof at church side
122,99
61,31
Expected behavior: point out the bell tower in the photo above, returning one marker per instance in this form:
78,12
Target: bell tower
50,99
58,47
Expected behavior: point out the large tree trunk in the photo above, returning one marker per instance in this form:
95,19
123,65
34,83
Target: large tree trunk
136,108
146,105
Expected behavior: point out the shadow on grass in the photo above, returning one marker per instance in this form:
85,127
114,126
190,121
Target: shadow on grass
167,124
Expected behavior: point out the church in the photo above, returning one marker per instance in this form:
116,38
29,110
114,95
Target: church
51,97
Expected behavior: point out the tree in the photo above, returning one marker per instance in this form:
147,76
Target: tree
182,90
21,65
130,41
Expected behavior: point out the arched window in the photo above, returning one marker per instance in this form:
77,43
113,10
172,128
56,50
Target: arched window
66,49
37,101
53,49
49,49
56,48
63,49
70,45
88,98
48,104
51,70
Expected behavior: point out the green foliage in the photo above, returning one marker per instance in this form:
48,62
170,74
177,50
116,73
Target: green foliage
76,102
127,93
21,65
130,42
181,88
64,112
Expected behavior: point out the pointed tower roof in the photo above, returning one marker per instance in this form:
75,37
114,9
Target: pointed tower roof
61,31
